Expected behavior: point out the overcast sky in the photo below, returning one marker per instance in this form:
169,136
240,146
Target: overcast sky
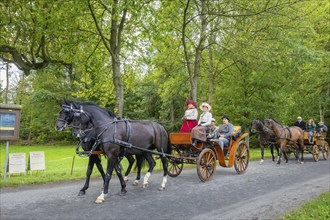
12,69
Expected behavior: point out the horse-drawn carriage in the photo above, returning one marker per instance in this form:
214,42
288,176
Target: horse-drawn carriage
318,144
289,140
206,154
99,129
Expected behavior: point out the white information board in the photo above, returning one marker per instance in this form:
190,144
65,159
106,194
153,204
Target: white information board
17,163
37,161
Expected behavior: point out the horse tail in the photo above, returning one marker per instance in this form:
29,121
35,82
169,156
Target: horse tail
169,146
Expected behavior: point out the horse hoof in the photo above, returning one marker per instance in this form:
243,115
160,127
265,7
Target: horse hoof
126,179
123,193
302,162
99,200
261,162
135,183
145,185
81,193
161,188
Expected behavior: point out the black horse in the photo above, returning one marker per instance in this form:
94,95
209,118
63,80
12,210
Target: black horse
116,137
266,138
88,136
64,120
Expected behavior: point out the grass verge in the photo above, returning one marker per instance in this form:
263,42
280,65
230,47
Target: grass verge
59,161
318,208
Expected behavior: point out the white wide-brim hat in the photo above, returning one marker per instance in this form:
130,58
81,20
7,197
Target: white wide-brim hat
205,104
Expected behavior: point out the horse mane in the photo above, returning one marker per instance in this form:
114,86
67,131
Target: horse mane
77,105
258,119
277,122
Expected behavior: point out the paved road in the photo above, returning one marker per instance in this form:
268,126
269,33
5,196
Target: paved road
264,192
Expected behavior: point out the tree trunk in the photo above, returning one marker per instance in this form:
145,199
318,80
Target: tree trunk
321,113
118,82
198,50
7,83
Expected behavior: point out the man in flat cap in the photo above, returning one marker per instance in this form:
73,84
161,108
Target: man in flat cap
225,130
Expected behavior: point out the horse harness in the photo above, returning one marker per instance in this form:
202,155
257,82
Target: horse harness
113,140
285,138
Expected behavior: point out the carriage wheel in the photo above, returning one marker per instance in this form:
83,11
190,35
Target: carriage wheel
242,157
206,164
325,150
175,165
316,152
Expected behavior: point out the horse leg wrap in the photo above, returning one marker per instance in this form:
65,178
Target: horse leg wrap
162,187
100,199
135,183
145,180
261,161
126,179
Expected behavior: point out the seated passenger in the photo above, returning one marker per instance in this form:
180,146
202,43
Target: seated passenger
190,117
300,123
311,129
205,119
213,130
321,127
226,129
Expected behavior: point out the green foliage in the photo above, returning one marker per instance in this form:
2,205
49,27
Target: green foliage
262,60
315,209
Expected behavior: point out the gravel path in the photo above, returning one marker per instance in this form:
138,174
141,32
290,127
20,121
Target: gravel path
263,192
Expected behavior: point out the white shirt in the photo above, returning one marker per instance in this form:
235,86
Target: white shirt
191,114
205,119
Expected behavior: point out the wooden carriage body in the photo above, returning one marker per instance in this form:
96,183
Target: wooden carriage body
206,153
317,145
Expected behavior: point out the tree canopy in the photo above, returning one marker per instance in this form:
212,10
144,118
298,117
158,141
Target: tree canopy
144,59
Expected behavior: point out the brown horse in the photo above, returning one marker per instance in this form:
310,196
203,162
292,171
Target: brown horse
287,136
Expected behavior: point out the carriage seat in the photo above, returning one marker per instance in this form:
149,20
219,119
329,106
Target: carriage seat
321,135
237,132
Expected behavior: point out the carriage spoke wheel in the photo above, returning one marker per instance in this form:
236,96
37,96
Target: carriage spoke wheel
325,150
316,152
206,164
242,157
175,165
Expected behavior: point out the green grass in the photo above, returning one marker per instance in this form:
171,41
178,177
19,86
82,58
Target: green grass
59,160
318,208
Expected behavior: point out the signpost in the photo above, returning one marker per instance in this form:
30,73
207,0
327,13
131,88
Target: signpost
9,126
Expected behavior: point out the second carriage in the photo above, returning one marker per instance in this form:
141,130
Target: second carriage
316,145
206,154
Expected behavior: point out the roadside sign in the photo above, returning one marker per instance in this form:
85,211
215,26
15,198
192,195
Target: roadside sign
17,163
37,161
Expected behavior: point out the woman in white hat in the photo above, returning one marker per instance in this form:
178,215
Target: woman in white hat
205,119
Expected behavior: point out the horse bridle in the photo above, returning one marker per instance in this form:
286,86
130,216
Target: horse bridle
258,125
68,109
78,113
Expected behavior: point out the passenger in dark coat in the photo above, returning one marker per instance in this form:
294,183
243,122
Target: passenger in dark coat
300,123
